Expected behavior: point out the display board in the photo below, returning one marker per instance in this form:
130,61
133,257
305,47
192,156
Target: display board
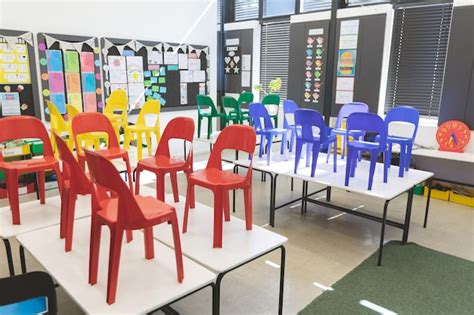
171,73
18,83
70,72
237,65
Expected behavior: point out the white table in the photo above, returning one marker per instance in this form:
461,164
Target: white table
325,176
143,285
35,216
455,156
239,245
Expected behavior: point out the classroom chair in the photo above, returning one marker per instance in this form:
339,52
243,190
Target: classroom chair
235,137
151,107
272,103
262,123
88,140
245,98
204,100
408,115
307,120
26,127
58,126
181,128
97,122
116,110
344,112
125,212
371,123
230,111
289,108
29,293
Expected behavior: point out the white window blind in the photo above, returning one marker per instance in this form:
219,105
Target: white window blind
315,5
352,3
246,9
417,61
275,54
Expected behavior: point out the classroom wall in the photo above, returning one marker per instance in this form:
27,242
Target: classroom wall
157,20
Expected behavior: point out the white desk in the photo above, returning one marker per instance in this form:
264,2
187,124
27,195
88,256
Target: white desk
433,153
35,216
143,285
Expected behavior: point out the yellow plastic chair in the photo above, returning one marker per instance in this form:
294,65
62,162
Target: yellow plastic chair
118,102
90,139
151,107
58,127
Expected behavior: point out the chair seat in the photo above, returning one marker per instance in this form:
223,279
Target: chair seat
342,132
162,162
43,163
210,115
153,210
397,139
140,128
213,177
364,145
112,153
272,130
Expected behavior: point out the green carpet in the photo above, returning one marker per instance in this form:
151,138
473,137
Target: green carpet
412,280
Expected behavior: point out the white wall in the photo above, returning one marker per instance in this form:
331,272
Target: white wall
158,20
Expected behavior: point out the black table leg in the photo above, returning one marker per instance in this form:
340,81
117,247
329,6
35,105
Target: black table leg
406,227
282,280
8,250
22,259
292,184
382,232
430,184
303,196
272,199
328,194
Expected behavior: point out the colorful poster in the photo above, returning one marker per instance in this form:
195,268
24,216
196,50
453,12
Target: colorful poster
14,64
232,60
10,104
56,79
314,65
346,65
71,61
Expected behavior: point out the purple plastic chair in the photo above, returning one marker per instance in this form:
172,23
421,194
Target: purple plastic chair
367,122
405,114
263,125
344,112
289,108
305,121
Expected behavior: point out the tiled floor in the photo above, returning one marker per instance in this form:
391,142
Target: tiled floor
322,248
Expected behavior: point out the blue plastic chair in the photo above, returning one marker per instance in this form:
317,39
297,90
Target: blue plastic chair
261,121
406,114
306,120
289,108
372,123
344,112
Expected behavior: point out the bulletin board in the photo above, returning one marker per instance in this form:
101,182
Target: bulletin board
18,80
70,72
171,73
238,60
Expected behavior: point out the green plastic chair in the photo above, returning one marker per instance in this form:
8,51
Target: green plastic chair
274,101
230,111
245,98
206,101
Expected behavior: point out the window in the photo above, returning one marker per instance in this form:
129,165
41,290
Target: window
417,61
275,54
246,9
315,5
353,3
278,7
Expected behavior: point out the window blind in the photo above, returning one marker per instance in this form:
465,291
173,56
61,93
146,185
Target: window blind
246,9
275,54
418,56
315,5
352,3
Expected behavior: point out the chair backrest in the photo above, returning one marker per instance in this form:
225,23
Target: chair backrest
204,100
306,119
71,111
57,121
230,103
289,108
28,286
93,122
368,122
349,108
259,117
106,177
406,114
177,128
71,168
271,99
25,127
150,107
117,101
245,97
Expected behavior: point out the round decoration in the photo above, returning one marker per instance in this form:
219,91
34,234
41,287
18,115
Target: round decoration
45,92
97,63
98,91
308,74
20,88
453,136
105,51
41,46
96,50
43,62
24,107
100,105
107,84
44,76
97,76
106,68
7,88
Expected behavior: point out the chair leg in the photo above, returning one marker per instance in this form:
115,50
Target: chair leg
299,148
408,157
140,145
308,154
373,161
248,207
126,139
64,211
386,164
148,142
292,139
116,235
348,167
283,143
174,186
334,154
209,127
329,151
71,209
59,176
160,186
13,199
199,126
138,170
217,238
314,163
226,208
390,147
129,235
177,248
94,250
149,245
129,173
344,147
260,149
40,176
186,207
269,148
401,166
355,156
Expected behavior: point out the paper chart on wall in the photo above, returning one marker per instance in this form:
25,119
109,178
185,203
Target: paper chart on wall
246,62
346,65
348,41
199,76
14,64
10,104
194,64
182,61
116,63
245,79
119,76
170,58
202,88
134,69
183,93
136,95
186,76
345,84
344,97
123,87
155,58
349,27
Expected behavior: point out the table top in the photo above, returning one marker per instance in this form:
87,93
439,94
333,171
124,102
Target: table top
143,285
358,184
455,156
36,216
238,244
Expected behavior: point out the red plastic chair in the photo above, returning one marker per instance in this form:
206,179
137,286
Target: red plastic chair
162,163
235,137
97,122
25,127
126,212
